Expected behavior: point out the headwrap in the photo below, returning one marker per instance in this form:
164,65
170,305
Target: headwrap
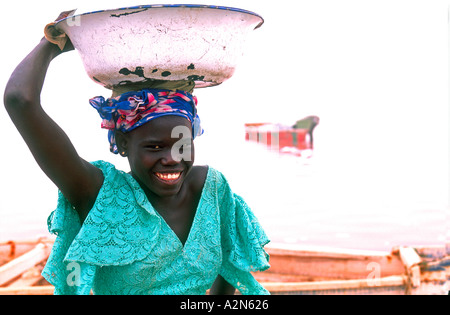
133,109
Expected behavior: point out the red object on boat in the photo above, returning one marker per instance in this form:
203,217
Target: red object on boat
276,138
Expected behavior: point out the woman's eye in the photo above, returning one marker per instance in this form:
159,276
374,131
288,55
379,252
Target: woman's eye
154,147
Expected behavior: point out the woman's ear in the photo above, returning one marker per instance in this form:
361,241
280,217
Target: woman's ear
122,143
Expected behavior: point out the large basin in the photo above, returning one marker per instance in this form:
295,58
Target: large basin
161,42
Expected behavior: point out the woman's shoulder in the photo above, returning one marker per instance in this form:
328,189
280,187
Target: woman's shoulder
104,165
113,178
198,176
109,170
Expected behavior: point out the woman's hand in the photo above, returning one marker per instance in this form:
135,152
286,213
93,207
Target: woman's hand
56,37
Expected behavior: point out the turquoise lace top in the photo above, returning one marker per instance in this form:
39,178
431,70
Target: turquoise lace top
125,247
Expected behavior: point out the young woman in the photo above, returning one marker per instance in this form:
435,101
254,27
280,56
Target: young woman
167,227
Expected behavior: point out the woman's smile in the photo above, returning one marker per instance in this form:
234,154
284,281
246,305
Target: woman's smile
169,178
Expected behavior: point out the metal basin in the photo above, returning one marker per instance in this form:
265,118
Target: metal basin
161,42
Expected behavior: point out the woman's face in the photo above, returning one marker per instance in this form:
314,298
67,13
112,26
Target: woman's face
161,154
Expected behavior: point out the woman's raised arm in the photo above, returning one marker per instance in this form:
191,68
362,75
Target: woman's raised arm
77,179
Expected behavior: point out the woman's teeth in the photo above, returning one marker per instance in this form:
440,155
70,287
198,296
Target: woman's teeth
168,176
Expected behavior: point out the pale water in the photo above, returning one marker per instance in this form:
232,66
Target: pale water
326,200
318,201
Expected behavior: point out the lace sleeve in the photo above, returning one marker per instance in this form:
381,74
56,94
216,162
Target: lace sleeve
243,241
65,277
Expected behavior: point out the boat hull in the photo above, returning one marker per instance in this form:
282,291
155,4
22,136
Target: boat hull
294,270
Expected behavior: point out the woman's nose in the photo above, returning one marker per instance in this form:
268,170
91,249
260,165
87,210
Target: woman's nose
169,158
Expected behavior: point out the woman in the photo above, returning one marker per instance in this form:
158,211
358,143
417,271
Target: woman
167,227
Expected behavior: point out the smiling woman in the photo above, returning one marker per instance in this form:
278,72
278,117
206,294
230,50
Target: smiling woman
379,173
150,153
166,227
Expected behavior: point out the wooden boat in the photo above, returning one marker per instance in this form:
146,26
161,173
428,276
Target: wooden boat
21,263
405,270
294,270
294,139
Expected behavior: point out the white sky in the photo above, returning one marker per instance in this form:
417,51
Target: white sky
375,72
